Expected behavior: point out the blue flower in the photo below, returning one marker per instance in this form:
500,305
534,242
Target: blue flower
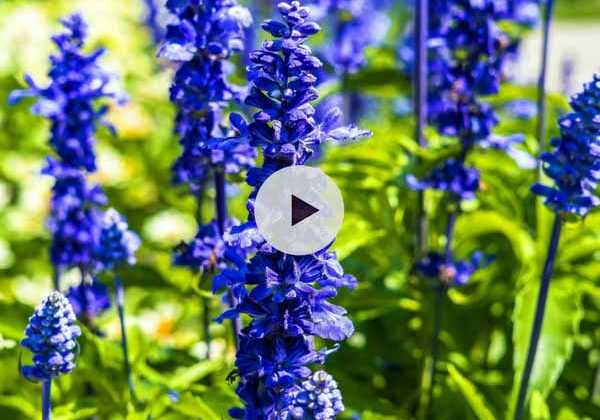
77,84
523,109
75,102
117,243
468,50
319,399
357,25
200,42
286,297
204,252
155,18
89,300
51,335
452,177
574,163
449,272
74,220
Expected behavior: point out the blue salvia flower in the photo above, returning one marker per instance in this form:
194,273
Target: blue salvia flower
51,335
156,17
574,166
75,102
77,82
468,54
287,297
117,247
319,398
448,272
523,109
74,220
357,24
453,177
89,300
206,251
201,41
574,163
117,244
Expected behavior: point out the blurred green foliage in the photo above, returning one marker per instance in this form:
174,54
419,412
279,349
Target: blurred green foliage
380,369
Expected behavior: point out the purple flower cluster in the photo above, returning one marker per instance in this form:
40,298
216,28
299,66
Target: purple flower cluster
51,336
206,251
469,47
77,82
574,163
453,177
71,102
76,102
447,272
89,300
319,399
357,25
117,244
200,42
287,297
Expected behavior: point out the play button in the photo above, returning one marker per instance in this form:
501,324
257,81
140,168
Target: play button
299,210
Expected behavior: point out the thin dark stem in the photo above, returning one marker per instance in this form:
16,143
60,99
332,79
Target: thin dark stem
541,87
120,301
420,109
206,325
539,317
56,278
438,309
221,209
46,399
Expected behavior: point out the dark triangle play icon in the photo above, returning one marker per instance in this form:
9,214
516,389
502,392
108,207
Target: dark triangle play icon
301,210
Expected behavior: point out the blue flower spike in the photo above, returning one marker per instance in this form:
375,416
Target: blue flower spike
574,167
51,336
286,297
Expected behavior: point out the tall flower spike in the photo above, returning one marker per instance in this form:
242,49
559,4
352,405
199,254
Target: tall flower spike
51,336
201,42
574,166
75,102
574,163
287,297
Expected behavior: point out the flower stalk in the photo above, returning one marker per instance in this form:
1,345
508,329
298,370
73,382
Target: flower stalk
420,109
120,301
538,319
541,86
46,399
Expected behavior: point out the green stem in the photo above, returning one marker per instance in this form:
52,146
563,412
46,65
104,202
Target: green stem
120,300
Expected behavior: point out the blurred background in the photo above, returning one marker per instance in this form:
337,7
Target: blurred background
380,368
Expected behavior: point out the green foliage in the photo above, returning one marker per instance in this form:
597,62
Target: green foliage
486,324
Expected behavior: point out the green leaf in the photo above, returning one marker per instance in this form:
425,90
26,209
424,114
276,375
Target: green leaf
194,407
471,394
561,323
20,403
184,377
538,408
485,222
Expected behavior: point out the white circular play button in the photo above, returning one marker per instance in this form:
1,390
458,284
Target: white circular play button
299,210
